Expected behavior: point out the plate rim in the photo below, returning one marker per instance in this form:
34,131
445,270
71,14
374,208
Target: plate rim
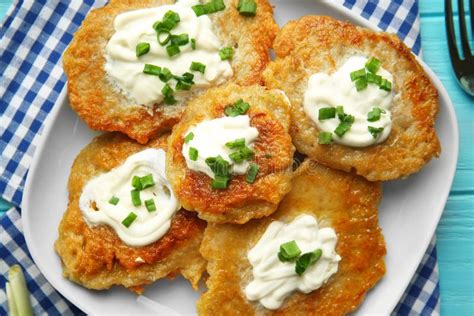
360,21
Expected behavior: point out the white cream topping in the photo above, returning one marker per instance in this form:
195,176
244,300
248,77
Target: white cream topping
274,280
133,27
210,137
326,90
148,226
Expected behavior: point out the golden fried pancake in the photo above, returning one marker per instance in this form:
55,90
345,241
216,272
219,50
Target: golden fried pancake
241,201
96,258
345,202
315,44
105,108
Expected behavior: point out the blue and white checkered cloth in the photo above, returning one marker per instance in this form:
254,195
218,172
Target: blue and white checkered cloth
33,37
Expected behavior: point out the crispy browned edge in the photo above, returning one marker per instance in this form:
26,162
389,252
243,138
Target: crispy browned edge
269,113
104,108
96,258
320,44
347,203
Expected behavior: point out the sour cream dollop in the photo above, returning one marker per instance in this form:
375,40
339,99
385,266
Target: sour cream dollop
133,27
210,137
274,280
148,226
330,90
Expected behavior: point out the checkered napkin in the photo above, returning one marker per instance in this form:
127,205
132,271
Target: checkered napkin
33,37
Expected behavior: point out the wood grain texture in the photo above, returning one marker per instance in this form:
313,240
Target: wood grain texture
456,229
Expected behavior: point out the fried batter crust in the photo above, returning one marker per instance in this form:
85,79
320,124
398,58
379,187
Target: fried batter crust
345,202
321,44
104,108
269,113
96,258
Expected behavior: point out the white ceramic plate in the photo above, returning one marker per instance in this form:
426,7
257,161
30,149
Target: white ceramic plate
409,213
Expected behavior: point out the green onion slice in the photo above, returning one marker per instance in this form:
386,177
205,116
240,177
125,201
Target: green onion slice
247,7
361,84
165,74
163,37
114,200
220,182
170,100
180,40
358,74
374,115
386,85
129,219
219,166
17,293
325,138
375,79
142,48
136,183
173,50
342,128
152,70
197,66
193,43
193,153
289,251
239,108
135,194
252,173
226,53
373,65
238,143
210,7
375,131
189,137
147,181
167,90
183,85
327,113
150,205
306,260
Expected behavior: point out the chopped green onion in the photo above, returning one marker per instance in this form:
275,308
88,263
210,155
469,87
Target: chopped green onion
199,9
129,219
196,66
169,99
342,128
180,40
236,157
226,53
193,43
183,85
252,173
150,205
147,181
172,16
193,153
172,50
289,251
165,74
374,115
246,153
220,182
340,112
167,90
239,108
188,137
238,143
386,85
163,41
375,131
307,260
325,138
152,70
361,84
375,79
136,201
358,74
136,183
373,65
17,293
247,7
327,113
114,200
219,166
142,48
188,77
170,20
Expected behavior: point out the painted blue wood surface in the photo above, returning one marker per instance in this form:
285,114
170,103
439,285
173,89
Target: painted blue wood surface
456,230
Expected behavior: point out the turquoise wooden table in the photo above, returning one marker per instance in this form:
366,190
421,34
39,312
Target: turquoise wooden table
456,230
